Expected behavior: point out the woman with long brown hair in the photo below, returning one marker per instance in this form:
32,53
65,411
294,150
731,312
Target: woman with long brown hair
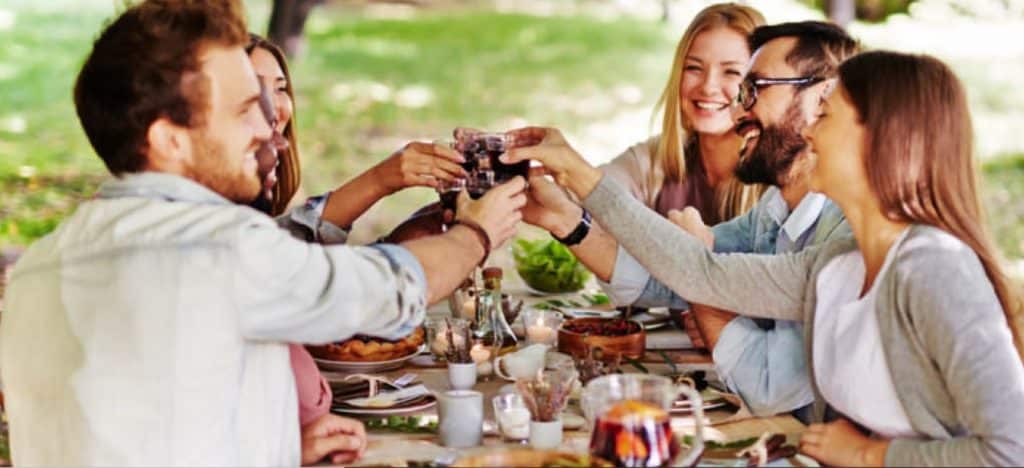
326,219
912,327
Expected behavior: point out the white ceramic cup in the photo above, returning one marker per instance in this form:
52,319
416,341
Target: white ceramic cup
522,364
462,376
460,418
546,435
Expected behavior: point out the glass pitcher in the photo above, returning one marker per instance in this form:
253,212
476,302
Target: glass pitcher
631,420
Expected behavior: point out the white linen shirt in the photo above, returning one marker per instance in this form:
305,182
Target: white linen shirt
150,328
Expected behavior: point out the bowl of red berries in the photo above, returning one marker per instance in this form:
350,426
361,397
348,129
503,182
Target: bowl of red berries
614,336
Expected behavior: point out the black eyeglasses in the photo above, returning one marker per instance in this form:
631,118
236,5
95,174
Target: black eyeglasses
747,96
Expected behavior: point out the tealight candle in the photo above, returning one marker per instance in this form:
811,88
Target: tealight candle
479,353
514,423
481,356
484,368
540,332
512,416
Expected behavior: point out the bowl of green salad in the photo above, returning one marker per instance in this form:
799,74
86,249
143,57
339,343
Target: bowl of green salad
548,267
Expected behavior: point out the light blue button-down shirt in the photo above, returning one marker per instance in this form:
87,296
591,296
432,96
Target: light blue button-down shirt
766,367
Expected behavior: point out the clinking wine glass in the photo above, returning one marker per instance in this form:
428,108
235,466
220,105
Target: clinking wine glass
482,152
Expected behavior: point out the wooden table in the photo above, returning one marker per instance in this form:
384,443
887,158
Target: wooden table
667,340
395,449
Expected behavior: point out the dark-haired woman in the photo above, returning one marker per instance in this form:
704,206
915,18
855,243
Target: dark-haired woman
326,219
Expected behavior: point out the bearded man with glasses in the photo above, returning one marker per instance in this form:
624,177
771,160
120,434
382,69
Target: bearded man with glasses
792,68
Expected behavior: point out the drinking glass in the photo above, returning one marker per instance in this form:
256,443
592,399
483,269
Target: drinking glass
437,334
512,416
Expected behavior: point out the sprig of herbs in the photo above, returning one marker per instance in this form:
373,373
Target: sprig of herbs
406,424
713,445
597,299
593,299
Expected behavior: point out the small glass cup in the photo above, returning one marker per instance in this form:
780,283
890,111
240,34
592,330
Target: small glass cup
463,297
512,416
437,334
449,194
541,326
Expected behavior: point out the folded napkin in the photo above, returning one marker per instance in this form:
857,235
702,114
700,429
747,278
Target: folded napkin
389,399
346,390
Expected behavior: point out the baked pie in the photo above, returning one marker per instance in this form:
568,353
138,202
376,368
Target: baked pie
361,348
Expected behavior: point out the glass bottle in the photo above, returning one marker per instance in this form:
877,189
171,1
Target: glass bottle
492,328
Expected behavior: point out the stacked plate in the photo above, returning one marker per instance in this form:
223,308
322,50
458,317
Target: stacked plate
354,399
711,399
651,319
365,367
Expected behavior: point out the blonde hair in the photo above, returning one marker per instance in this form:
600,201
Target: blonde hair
677,138
920,153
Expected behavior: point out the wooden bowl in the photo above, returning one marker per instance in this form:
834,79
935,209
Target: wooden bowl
531,458
576,344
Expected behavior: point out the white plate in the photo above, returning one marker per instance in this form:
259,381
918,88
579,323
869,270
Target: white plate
652,319
407,393
589,313
710,398
384,411
365,367
687,409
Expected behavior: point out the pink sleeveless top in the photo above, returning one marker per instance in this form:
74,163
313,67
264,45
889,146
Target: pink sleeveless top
311,387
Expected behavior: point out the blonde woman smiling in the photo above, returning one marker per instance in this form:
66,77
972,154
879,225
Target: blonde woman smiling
691,162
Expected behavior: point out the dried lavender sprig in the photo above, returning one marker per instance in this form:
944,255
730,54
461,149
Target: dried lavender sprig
545,398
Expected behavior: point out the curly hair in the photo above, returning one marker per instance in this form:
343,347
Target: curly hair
145,66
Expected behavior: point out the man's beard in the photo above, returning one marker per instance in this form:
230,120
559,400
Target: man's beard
211,168
777,147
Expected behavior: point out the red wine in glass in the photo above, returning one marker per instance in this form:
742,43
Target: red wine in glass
448,198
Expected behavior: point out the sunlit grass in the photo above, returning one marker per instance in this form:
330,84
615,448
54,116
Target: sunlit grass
368,84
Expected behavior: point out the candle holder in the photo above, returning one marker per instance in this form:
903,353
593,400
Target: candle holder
512,416
437,335
541,326
462,298
483,356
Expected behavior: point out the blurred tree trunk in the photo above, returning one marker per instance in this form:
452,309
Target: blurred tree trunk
287,21
841,12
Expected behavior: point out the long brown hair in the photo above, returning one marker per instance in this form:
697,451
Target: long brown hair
678,140
920,156
288,170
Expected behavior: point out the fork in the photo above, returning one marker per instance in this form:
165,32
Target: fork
404,380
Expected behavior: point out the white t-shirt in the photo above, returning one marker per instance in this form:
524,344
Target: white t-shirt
849,360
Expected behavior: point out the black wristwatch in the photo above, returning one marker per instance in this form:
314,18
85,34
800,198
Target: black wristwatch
577,235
